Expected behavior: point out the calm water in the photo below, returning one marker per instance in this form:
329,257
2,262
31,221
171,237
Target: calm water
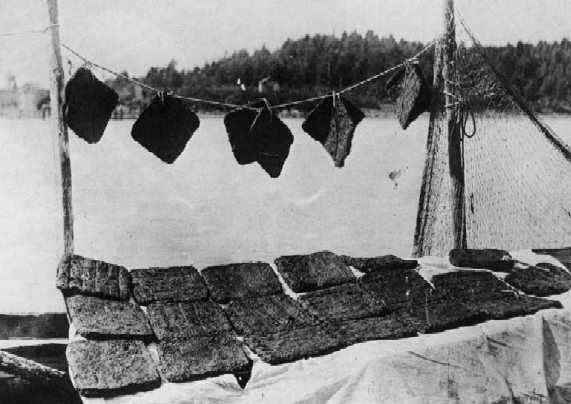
134,210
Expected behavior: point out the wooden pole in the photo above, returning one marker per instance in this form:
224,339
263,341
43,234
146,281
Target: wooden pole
59,128
455,141
442,113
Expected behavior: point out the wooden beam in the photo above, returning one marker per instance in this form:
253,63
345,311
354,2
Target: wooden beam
455,141
39,375
57,96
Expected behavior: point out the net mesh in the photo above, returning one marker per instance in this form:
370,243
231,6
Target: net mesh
517,171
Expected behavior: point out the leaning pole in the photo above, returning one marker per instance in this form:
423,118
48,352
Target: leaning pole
57,98
455,140
443,124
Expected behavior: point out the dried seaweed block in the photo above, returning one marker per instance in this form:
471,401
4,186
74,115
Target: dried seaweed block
188,319
332,123
444,314
470,285
268,314
165,127
259,135
389,326
100,318
185,359
273,140
544,279
294,344
174,284
398,288
77,274
405,291
414,96
516,305
561,254
343,302
481,290
495,260
109,368
235,281
304,273
317,124
380,263
238,124
89,104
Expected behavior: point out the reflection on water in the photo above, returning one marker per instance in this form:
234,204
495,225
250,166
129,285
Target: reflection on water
134,210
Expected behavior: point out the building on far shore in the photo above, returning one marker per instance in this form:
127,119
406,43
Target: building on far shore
267,84
27,101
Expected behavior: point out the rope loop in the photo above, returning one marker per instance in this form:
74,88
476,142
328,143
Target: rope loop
467,113
464,113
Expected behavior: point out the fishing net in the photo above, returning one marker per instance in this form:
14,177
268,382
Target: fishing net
517,171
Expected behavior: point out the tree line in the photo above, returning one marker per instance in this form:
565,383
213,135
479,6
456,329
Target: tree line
318,64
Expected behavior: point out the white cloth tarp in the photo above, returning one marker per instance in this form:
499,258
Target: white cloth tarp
524,360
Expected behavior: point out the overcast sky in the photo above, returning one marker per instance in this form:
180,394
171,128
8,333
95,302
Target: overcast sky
136,34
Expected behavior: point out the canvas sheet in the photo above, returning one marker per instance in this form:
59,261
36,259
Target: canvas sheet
525,358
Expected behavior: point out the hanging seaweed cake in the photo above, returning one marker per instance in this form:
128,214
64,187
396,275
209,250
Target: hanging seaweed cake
89,104
165,127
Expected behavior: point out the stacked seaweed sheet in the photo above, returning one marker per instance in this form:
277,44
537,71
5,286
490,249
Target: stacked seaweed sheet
191,334
195,339
112,358
274,325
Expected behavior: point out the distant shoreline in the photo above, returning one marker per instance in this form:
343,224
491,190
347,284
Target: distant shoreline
35,326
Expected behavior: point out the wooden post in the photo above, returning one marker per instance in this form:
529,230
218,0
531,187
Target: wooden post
59,128
455,141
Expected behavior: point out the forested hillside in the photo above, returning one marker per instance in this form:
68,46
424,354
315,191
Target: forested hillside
318,64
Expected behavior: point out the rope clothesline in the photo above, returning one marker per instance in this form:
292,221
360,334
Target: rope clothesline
89,62
29,31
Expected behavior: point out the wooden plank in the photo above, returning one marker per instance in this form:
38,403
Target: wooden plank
57,95
39,375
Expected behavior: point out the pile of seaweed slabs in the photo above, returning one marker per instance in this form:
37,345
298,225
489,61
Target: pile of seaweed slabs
563,255
195,339
108,355
539,275
274,325
413,305
327,287
480,289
